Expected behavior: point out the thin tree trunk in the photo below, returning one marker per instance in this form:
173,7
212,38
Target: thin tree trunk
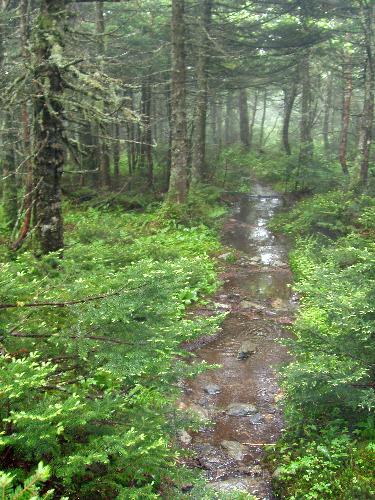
244,120
169,120
105,161
219,125
253,117
263,121
289,99
8,158
229,120
116,153
198,170
9,173
179,150
327,114
146,160
368,13
306,142
347,98
48,126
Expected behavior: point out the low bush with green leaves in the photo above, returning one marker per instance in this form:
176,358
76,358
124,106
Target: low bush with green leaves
89,380
329,385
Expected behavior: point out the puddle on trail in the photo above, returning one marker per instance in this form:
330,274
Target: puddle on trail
257,294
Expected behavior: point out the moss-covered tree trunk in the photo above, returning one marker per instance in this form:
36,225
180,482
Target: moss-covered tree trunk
48,130
9,173
179,149
105,158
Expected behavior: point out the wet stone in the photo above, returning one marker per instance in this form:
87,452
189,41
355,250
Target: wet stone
234,449
246,304
256,419
250,470
244,484
222,306
199,411
241,410
212,389
210,457
184,437
246,349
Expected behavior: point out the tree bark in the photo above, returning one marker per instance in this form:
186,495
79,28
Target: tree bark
198,170
105,161
229,120
253,117
116,153
263,121
289,99
146,159
327,114
345,118
368,14
179,150
244,120
9,173
48,131
306,141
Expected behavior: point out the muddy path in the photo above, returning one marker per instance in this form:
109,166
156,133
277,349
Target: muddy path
240,397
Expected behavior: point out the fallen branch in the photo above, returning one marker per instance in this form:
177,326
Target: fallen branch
63,304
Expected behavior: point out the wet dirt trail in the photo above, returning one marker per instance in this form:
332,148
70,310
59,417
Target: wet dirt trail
240,397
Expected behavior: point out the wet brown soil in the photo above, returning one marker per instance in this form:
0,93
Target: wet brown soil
257,296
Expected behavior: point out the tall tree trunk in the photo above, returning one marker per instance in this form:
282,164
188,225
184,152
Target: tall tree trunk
130,137
9,173
368,14
244,120
306,141
48,122
116,153
219,125
88,157
253,117
345,119
263,121
146,160
169,150
179,151
198,170
229,120
8,157
327,114
289,99
105,161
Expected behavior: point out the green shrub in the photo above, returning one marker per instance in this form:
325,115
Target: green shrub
326,464
29,490
89,388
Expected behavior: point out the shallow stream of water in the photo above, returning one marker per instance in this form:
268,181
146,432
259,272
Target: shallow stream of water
240,397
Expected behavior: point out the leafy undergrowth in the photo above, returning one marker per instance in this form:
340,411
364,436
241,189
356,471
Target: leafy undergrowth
328,451
88,384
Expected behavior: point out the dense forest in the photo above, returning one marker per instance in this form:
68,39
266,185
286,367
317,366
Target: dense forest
133,133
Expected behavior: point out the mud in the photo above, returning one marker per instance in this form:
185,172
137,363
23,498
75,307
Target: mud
241,396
